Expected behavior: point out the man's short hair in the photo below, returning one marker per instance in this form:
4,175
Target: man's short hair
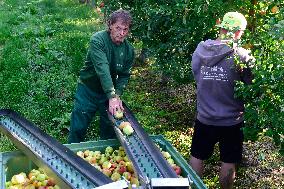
120,14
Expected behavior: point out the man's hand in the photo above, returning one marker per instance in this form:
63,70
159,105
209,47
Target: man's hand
115,104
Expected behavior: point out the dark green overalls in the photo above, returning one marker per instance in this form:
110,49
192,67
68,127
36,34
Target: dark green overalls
87,103
106,73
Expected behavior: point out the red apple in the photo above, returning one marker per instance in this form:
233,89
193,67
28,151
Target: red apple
177,169
121,169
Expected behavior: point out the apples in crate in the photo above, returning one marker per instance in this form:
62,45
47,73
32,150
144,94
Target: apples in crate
36,179
112,162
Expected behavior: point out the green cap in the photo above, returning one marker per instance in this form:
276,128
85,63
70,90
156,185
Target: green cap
233,21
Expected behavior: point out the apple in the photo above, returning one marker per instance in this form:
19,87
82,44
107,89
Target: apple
134,180
118,114
81,154
18,179
86,153
115,176
118,158
126,175
107,172
8,183
121,169
166,155
128,130
177,169
115,153
97,155
88,159
125,158
274,9
171,161
129,167
109,150
120,148
121,153
44,182
122,163
103,159
93,160
35,172
38,184
50,182
106,165
123,124
41,177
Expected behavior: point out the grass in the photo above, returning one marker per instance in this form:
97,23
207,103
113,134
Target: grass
42,47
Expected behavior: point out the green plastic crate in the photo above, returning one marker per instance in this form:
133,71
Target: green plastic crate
15,162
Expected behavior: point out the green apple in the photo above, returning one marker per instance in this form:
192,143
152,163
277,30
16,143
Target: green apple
134,180
8,183
129,167
18,179
118,114
56,187
41,177
126,175
106,165
115,176
166,155
118,158
109,150
80,153
128,130
170,161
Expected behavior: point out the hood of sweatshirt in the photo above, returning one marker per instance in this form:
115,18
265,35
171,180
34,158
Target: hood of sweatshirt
212,52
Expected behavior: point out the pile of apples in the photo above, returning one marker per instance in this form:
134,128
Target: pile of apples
115,164
36,179
112,162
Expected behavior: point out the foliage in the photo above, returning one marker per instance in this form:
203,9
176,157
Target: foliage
42,47
171,29
264,97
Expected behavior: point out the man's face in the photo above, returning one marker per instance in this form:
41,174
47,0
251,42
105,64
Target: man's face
118,31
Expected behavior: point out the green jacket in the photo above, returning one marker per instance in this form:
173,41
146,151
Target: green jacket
107,66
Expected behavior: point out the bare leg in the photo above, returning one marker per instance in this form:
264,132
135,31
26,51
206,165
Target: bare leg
197,165
227,175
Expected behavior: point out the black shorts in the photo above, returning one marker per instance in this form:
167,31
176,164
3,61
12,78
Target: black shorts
230,140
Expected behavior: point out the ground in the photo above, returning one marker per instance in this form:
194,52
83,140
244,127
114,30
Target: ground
262,165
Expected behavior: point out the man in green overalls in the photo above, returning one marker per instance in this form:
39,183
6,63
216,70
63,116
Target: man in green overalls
104,76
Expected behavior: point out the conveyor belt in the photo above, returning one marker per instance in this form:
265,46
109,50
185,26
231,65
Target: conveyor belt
71,170
147,159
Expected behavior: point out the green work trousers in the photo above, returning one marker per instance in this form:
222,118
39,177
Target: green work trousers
87,103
